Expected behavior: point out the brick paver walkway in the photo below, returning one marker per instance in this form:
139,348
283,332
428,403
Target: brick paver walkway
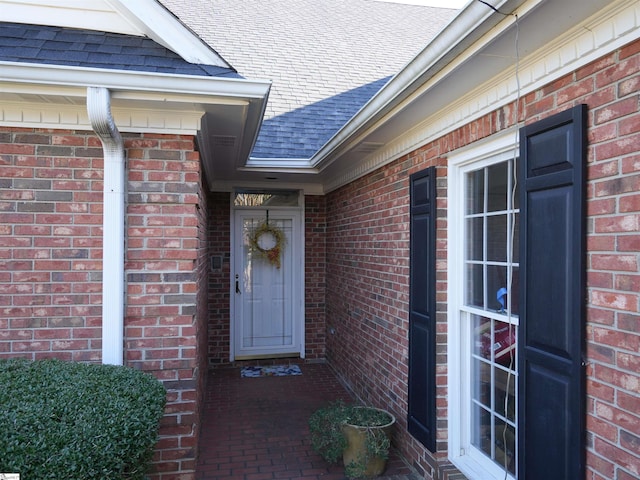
256,428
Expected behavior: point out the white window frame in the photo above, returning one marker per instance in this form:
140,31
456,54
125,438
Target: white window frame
498,148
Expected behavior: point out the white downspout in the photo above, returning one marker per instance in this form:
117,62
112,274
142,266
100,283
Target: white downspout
99,110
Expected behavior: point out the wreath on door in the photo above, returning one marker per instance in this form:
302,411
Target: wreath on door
267,241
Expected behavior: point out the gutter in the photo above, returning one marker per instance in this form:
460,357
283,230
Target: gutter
99,111
150,85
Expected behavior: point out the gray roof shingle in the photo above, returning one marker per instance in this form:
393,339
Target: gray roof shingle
326,58
88,48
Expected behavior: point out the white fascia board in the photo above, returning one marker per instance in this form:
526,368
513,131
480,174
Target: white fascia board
65,77
257,163
233,185
164,27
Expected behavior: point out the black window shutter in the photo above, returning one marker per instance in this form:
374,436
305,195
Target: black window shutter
551,392
422,309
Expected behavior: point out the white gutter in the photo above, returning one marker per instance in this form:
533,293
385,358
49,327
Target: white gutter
99,110
162,85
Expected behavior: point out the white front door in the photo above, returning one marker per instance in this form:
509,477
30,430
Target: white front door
267,284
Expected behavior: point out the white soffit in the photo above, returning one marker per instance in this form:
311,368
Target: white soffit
130,17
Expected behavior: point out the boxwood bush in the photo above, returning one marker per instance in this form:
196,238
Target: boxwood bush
68,420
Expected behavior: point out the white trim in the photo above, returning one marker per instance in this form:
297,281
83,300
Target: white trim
499,147
157,22
63,76
113,219
230,186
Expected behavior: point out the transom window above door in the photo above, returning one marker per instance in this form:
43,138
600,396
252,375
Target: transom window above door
262,198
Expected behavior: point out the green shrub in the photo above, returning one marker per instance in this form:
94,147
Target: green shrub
67,420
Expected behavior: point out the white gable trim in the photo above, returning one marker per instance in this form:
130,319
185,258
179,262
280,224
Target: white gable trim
161,25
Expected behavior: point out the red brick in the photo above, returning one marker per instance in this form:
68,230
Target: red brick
619,71
628,283
623,263
616,148
629,402
617,339
602,429
622,475
630,203
617,455
601,465
617,110
625,381
601,391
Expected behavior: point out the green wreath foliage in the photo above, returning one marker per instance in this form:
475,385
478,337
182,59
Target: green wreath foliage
272,255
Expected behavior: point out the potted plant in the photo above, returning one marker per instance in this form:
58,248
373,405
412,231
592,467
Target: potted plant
359,435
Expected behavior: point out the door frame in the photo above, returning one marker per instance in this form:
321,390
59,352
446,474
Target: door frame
298,295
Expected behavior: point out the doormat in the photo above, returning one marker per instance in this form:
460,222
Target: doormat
274,371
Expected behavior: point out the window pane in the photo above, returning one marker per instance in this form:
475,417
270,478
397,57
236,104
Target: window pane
497,238
266,199
496,281
475,284
481,429
515,288
482,337
504,343
475,192
516,237
482,388
505,383
505,442
498,187
474,238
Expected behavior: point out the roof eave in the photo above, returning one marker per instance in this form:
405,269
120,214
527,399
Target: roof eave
142,102
132,80
473,22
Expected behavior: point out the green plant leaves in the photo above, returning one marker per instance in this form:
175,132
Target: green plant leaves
72,420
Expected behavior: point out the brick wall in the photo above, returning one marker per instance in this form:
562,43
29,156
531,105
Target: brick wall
219,297
50,244
51,263
315,272
367,267
367,290
165,262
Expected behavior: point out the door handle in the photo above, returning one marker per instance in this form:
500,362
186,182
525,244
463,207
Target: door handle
237,285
